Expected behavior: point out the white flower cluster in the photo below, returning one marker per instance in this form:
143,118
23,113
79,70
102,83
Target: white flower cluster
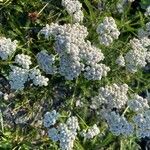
19,76
138,103
50,118
139,55
76,55
91,132
7,47
120,61
147,13
114,96
37,78
118,124
136,57
64,133
23,60
142,122
144,32
107,31
148,57
73,7
111,100
46,62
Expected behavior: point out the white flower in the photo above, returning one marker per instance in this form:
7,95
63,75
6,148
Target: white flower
6,96
34,72
72,123
75,54
23,60
148,57
46,62
40,81
138,103
50,118
136,57
91,132
114,96
120,61
66,137
18,77
142,121
1,94
107,31
7,47
118,124
73,7
53,134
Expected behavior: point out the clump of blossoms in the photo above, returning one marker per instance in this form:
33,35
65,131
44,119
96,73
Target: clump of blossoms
144,32
75,54
148,57
7,47
64,133
91,132
73,7
37,78
118,124
142,122
138,103
19,76
136,57
120,61
113,96
147,13
23,60
50,118
46,62
107,31
141,119
114,100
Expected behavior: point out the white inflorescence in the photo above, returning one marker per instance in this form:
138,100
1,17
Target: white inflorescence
120,61
114,96
50,118
73,7
107,31
40,81
76,55
64,133
46,62
33,73
91,132
53,134
66,137
118,124
147,13
7,47
138,103
37,78
136,57
142,122
23,60
18,77
72,123
148,57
